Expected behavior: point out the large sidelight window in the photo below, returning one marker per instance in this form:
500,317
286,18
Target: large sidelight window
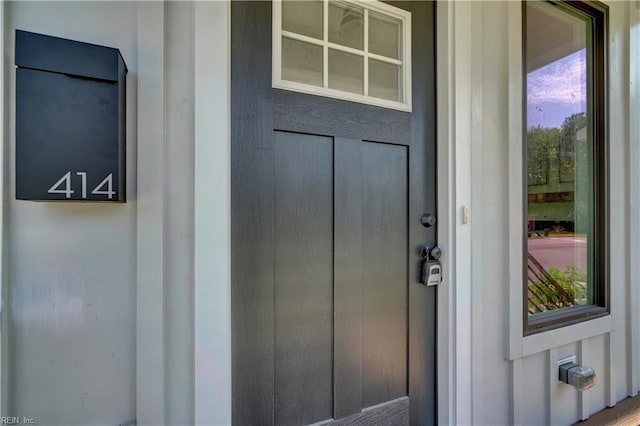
566,250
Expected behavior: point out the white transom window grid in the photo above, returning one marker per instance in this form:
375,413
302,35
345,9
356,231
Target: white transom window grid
352,50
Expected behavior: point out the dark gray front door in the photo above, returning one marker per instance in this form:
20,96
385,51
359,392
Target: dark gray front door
329,320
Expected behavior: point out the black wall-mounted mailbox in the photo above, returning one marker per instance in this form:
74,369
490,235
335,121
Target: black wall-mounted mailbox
70,120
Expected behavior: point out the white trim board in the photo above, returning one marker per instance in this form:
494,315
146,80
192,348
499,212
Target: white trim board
212,221
633,319
453,75
516,90
445,332
151,334
462,305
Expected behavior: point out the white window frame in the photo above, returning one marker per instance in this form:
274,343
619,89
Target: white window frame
368,5
521,346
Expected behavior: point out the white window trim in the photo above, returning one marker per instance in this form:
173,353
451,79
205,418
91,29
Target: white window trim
370,5
520,346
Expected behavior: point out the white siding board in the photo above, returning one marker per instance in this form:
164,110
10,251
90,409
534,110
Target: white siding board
583,397
532,407
151,235
212,251
610,381
517,415
564,399
463,163
620,217
447,216
478,292
179,95
515,147
594,353
489,235
551,386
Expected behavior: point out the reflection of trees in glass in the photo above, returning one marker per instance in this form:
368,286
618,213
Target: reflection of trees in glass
557,289
557,147
567,148
573,280
542,143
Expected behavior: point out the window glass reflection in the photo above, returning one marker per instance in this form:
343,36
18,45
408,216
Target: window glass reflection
559,145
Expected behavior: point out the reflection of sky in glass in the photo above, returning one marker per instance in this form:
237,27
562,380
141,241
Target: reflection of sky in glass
557,91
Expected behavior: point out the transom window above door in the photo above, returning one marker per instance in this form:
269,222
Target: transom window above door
353,50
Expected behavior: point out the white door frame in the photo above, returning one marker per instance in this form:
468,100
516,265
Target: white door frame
212,162
454,84
212,250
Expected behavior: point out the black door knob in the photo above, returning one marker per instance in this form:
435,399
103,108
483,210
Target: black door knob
435,252
428,220
430,253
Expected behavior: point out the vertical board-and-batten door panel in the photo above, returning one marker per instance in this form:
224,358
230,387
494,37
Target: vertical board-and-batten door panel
303,277
329,320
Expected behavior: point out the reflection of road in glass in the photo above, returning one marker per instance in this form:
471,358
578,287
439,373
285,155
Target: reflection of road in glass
560,251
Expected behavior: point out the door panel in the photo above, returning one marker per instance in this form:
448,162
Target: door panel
384,171
297,112
328,319
303,278
348,282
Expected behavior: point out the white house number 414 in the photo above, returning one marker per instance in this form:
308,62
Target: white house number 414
63,186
